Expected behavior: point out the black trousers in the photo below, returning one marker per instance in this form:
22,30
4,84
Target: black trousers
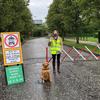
54,61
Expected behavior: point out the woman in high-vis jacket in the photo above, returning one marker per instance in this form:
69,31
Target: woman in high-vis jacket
56,46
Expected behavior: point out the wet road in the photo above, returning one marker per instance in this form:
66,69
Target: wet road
77,81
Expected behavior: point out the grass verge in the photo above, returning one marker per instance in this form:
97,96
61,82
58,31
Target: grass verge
92,39
82,45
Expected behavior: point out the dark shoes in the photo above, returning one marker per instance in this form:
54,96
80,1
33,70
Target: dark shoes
58,71
54,71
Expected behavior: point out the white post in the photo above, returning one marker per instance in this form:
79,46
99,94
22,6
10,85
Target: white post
68,55
79,53
98,46
91,52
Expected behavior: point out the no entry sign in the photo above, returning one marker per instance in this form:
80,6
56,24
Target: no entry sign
11,40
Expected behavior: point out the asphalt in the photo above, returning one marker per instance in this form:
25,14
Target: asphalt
77,81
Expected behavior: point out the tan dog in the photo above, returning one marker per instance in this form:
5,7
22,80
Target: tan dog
45,73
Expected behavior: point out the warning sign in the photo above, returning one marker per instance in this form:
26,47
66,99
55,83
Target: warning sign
11,40
11,45
12,56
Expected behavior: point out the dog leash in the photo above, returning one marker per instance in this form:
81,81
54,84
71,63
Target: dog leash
50,60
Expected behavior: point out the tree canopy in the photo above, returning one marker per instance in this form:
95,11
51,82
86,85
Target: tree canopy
75,17
15,16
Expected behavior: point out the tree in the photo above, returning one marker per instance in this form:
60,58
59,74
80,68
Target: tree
39,30
54,18
15,16
79,17
91,15
65,15
72,19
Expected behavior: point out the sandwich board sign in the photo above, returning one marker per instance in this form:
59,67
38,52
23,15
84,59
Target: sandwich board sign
12,56
11,47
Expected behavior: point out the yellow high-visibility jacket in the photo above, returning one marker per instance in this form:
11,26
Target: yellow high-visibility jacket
56,45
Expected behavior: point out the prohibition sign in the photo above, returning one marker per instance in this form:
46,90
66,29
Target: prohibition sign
14,42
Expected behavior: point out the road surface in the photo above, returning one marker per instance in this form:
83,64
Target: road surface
77,81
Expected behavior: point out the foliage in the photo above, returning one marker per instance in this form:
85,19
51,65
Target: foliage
39,30
75,17
15,16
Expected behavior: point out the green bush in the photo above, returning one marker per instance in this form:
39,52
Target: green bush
39,31
22,38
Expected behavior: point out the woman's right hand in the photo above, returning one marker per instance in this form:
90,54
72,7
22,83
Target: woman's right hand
49,43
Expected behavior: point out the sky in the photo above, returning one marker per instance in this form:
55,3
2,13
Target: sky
39,8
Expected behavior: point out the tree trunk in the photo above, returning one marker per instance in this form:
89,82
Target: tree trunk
63,36
77,39
98,37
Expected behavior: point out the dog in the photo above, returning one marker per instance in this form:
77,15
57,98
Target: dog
45,73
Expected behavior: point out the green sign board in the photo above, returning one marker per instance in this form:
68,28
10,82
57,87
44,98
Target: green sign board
14,74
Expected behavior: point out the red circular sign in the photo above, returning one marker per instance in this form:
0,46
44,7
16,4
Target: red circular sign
14,37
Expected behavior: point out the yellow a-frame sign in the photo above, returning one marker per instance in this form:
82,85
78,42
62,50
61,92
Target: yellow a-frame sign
11,47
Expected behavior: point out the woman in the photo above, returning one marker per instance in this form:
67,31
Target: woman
56,46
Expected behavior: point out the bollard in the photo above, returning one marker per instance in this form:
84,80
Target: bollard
46,54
